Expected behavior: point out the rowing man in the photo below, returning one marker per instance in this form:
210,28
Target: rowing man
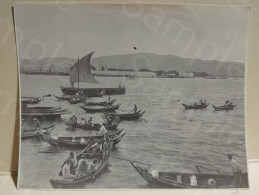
237,171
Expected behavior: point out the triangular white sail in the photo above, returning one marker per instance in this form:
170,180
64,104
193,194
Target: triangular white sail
80,71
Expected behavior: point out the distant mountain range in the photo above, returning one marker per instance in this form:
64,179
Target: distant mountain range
146,61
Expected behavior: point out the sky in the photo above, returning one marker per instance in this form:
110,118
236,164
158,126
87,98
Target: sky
74,30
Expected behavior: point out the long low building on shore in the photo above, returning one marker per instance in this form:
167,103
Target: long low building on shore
124,73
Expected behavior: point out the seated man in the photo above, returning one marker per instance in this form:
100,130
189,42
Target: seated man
82,166
66,173
92,166
90,122
73,120
72,163
83,121
227,103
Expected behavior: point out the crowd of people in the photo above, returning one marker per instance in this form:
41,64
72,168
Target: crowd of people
76,168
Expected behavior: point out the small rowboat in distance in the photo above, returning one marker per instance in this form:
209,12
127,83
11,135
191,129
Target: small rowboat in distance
188,180
93,109
221,108
195,107
103,103
63,98
60,182
127,115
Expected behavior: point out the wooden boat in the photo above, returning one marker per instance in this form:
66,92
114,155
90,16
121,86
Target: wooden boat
64,97
188,180
93,109
30,100
78,142
28,133
42,112
60,182
80,72
198,106
127,116
96,127
221,108
100,103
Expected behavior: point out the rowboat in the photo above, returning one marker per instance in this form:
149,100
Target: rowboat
188,180
42,112
60,182
127,116
96,127
30,100
28,133
198,106
93,109
64,97
80,141
100,103
220,108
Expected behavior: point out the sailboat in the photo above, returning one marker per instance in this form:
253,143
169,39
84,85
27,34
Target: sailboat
80,72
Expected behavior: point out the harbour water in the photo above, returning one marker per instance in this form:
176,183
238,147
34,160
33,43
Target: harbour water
167,136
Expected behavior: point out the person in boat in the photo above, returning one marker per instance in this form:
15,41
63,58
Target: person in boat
108,101
72,163
201,102
120,85
227,103
96,147
89,143
90,122
36,124
92,166
66,171
82,167
103,131
73,120
237,171
83,121
105,147
135,108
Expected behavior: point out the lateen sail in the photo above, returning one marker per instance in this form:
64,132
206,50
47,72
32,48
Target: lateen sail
80,71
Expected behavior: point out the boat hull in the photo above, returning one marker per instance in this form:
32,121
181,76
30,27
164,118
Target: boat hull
169,179
94,92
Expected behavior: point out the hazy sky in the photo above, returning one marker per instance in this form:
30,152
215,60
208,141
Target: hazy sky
206,32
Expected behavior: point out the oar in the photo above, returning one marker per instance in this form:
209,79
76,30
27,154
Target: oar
129,160
218,170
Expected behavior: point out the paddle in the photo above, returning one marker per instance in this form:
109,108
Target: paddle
129,160
218,170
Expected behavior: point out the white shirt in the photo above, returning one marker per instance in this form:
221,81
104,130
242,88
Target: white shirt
235,166
66,171
83,122
103,130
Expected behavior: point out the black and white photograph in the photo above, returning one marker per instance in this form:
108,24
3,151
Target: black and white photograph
131,96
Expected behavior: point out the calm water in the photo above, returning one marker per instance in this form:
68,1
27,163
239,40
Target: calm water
168,137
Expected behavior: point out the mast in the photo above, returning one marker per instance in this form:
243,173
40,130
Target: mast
78,74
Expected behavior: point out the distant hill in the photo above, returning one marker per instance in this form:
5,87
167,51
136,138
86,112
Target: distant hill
148,61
